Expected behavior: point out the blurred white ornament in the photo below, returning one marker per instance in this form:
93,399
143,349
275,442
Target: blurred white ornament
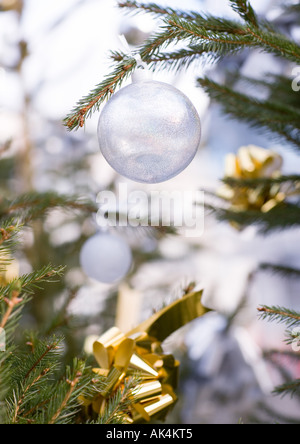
106,258
149,131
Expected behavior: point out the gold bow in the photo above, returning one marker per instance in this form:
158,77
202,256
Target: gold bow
253,162
120,356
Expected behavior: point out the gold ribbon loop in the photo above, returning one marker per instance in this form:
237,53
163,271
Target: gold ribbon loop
120,356
253,162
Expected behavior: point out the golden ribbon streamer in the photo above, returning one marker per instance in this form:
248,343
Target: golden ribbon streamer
121,355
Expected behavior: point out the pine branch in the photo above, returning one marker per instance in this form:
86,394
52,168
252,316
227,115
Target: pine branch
64,402
8,239
17,293
221,42
102,92
29,377
26,390
49,349
34,205
292,388
293,9
209,22
266,181
12,303
275,117
245,10
118,405
280,315
175,60
286,272
276,87
208,36
281,217
72,383
155,9
248,36
275,43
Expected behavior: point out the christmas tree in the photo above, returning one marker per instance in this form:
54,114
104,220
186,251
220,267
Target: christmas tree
39,337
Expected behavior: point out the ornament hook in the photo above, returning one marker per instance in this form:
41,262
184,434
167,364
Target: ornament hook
142,73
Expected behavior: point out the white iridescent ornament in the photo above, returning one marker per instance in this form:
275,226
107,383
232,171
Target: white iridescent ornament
106,258
149,131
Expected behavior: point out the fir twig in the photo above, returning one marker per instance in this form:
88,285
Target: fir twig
287,272
281,217
153,8
275,117
245,10
72,383
292,388
253,183
34,205
279,314
11,305
102,92
118,405
49,349
27,389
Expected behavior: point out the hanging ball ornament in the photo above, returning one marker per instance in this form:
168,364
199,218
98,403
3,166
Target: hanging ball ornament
106,258
149,131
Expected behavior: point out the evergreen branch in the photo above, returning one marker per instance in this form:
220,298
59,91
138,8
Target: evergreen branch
65,403
153,8
198,39
245,10
180,59
277,87
293,9
293,337
11,305
28,282
175,60
49,349
29,377
118,405
209,22
276,43
6,234
72,383
287,272
102,92
27,389
187,30
276,117
292,388
34,205
281,217
280,315
17,293
267,181
204,35
35,408
8,241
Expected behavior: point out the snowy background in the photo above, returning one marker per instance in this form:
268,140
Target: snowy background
68,43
